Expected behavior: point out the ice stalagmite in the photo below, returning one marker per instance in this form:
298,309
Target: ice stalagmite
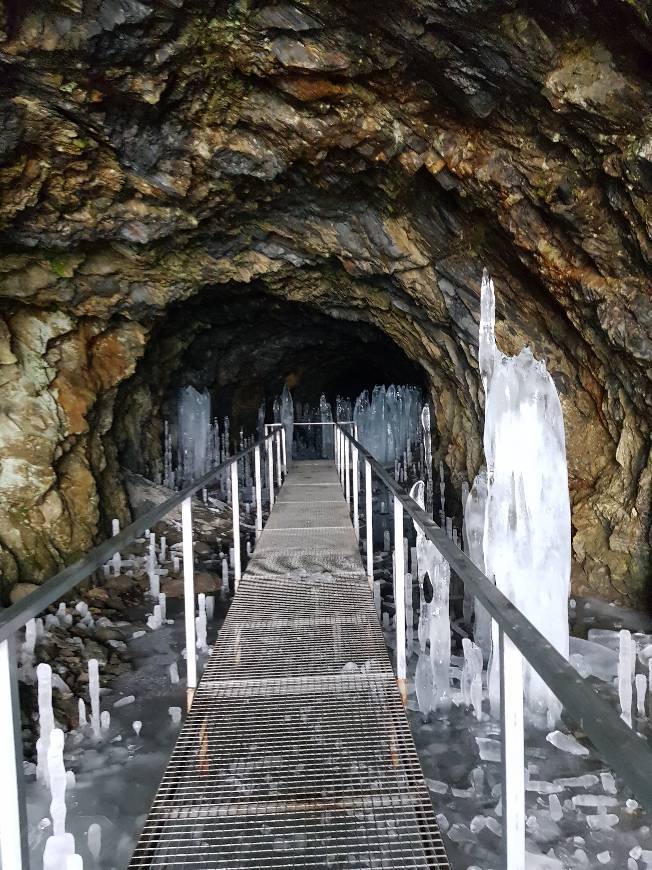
45,718
94,692
434,619
326,415
626,664
474,517
527,518
58,782
287,419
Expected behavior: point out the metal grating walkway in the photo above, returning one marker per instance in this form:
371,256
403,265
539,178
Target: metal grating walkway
297,752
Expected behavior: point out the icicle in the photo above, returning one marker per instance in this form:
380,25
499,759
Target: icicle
81,707
116,559
641,688
94,692
210,607
162,603
174,673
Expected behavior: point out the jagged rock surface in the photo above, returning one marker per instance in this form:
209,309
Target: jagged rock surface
345,163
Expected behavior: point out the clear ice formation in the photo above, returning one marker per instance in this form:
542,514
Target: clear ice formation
287,419
527,542
326,416
390,423
432,678
58,782
58,849
471,682
626,665
474,519
193,432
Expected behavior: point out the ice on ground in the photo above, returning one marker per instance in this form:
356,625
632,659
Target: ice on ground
566,743
597,660
436,786
490,750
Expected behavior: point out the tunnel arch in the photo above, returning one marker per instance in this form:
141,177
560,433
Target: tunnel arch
367,167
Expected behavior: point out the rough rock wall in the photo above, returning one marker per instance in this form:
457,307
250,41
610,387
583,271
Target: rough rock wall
365,160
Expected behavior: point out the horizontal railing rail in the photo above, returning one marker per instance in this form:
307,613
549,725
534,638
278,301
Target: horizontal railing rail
628,754
15,616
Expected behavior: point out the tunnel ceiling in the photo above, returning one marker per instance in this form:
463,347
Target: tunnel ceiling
358,163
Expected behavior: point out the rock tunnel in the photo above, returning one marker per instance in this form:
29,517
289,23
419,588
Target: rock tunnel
234,194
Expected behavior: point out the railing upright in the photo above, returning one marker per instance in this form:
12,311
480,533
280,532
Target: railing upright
399,597
13,817
270,471
279,466
368,498
356,484
284,451
258,491
347,472
235,505
189,599
512,752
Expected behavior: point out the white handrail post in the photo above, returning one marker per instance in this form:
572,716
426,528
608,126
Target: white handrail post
336,447
285,455
399,597
270,470
279,467
512,752
356,484
13,818
189,599
259,492
235,507
369,521
339,452
347,466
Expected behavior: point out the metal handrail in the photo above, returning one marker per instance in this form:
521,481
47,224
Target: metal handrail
627,753
14,617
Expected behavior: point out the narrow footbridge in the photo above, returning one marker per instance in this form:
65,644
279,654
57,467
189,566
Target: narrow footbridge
297,751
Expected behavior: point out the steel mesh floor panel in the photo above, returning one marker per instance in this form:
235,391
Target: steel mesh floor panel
280,563
288,515
271,650
338,539
309,595
297,752
310,493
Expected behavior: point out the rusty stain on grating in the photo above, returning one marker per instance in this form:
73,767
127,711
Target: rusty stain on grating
297,752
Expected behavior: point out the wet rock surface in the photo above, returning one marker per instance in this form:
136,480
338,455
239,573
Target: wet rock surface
184,188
